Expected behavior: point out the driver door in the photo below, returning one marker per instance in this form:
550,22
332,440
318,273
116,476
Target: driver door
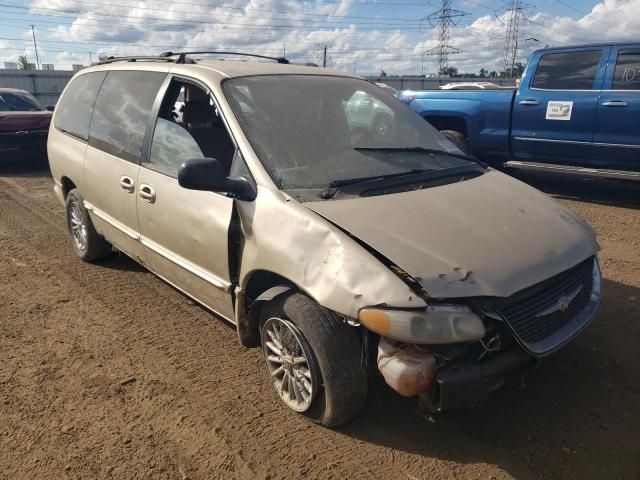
185,232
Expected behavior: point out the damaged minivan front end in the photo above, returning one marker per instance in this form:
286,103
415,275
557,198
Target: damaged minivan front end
507,274
455,355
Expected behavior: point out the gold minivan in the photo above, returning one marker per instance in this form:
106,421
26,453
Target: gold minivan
332,225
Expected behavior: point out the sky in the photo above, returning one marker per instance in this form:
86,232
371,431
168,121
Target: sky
362,36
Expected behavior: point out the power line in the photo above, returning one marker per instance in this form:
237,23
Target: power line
382,22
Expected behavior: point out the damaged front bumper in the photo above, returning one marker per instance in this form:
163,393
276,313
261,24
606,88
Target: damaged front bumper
531,323
463,384
412,370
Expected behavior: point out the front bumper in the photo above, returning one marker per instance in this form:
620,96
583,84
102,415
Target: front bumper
462,384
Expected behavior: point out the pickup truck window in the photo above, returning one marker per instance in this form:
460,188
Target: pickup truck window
627,73
567,71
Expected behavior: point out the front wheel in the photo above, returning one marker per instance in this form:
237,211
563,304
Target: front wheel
459,140
313,359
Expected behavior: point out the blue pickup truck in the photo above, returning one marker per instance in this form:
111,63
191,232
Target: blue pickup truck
577,110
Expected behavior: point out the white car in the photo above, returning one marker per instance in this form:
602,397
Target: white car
470,86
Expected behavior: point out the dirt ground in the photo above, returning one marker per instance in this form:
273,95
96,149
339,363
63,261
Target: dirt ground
107,372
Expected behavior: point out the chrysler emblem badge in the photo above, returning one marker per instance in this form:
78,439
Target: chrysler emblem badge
562,304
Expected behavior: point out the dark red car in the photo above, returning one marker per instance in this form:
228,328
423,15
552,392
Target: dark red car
24,125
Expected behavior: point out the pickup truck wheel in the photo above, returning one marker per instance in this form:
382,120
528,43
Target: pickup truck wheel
313,359
458,139
87,244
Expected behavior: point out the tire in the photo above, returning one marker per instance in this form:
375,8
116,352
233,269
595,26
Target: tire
332,350
459,140
87,244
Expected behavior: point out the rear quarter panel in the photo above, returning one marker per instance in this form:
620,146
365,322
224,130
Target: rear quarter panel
66,159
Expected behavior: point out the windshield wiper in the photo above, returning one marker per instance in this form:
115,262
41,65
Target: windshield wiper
461,155
332,188
334,185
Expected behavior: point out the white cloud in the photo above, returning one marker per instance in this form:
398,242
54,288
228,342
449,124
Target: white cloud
249,26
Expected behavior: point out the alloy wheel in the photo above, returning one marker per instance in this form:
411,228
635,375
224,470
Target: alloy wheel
290,363
77,226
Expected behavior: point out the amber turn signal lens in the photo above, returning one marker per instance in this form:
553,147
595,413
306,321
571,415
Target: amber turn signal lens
376,320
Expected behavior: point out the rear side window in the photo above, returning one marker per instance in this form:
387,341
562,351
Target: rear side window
73,112
567,71
627,73
122,112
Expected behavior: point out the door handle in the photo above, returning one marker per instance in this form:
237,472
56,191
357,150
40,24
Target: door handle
147,193
529,102
126,183
615,103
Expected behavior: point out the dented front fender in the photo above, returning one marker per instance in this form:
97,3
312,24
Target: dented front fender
283,237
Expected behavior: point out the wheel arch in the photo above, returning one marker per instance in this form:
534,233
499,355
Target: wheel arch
67,185
257,287
440,122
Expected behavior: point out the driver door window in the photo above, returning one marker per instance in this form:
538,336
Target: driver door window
188,126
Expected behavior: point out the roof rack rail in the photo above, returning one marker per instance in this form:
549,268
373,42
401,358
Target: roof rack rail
147,58
183,55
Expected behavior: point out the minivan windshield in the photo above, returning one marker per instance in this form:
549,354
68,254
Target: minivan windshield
17,102
311,131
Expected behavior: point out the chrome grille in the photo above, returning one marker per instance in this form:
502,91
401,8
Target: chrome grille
538,312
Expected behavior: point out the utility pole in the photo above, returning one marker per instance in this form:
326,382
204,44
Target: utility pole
324,54
512,13
284,50
35,47
443,19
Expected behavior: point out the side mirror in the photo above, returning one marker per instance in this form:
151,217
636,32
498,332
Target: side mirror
207,174
50,108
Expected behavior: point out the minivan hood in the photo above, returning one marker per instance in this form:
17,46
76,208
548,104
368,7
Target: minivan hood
16,121
488,236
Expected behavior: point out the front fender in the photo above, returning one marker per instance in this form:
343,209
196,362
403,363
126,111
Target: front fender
284,237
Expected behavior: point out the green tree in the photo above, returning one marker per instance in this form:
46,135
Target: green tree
23,63
451,71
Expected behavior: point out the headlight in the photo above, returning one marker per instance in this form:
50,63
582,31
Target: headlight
435,324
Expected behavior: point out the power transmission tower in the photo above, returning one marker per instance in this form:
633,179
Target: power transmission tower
443,19
512,14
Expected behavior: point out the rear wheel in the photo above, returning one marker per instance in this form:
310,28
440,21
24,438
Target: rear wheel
459,140
87,244
313,359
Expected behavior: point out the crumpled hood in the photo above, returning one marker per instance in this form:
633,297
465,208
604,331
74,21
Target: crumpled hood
488,236
17,121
